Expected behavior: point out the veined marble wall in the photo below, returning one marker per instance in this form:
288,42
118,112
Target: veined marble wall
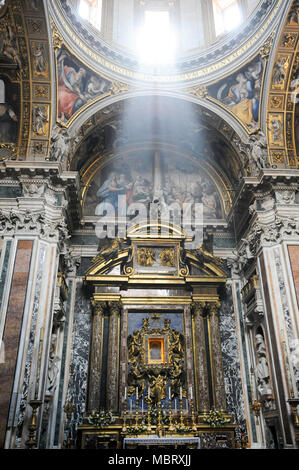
78,372
231,360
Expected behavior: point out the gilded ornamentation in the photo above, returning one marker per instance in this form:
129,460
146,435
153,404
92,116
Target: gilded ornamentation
109,249
200,91
155,376
118,87
267,46
289,40
277,157
276,102
167,257
146,256
41,91
57,38
276,129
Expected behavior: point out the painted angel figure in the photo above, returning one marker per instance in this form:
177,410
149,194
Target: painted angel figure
96,86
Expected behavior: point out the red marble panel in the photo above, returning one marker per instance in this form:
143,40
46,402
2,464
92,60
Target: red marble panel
12,329
294,258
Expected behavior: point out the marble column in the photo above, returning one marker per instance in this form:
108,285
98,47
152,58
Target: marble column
113,356
95,368
219,397
200,359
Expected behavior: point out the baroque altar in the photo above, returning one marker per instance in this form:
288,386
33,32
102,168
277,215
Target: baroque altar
155,359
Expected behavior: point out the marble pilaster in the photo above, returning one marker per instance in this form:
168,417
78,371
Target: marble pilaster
200,360
113,356
216,353
95,367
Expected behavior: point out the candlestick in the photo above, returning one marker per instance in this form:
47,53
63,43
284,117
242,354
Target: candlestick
194,427
124,428
149,426
136,419
32,440
159,425
181,413
171,426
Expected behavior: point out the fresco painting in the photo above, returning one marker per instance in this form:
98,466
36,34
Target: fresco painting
152,176
240,92
77,85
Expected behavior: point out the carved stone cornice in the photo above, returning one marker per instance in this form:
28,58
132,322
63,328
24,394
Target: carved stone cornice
266,235
33,223
45,184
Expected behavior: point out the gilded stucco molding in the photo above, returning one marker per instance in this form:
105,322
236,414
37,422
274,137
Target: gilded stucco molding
282,95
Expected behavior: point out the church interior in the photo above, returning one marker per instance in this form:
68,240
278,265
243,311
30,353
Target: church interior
149,224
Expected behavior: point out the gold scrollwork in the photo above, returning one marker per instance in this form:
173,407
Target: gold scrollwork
167,257
57,38
155,374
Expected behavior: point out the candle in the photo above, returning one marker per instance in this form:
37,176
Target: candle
181,393
125,393
169,393
191,393
149,392
136,393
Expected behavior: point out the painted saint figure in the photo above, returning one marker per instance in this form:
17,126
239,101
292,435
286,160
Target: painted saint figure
70,89
40,62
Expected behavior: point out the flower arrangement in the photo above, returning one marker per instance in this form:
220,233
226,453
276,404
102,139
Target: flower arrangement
215,418
181,428
155,415
140,428
100,418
